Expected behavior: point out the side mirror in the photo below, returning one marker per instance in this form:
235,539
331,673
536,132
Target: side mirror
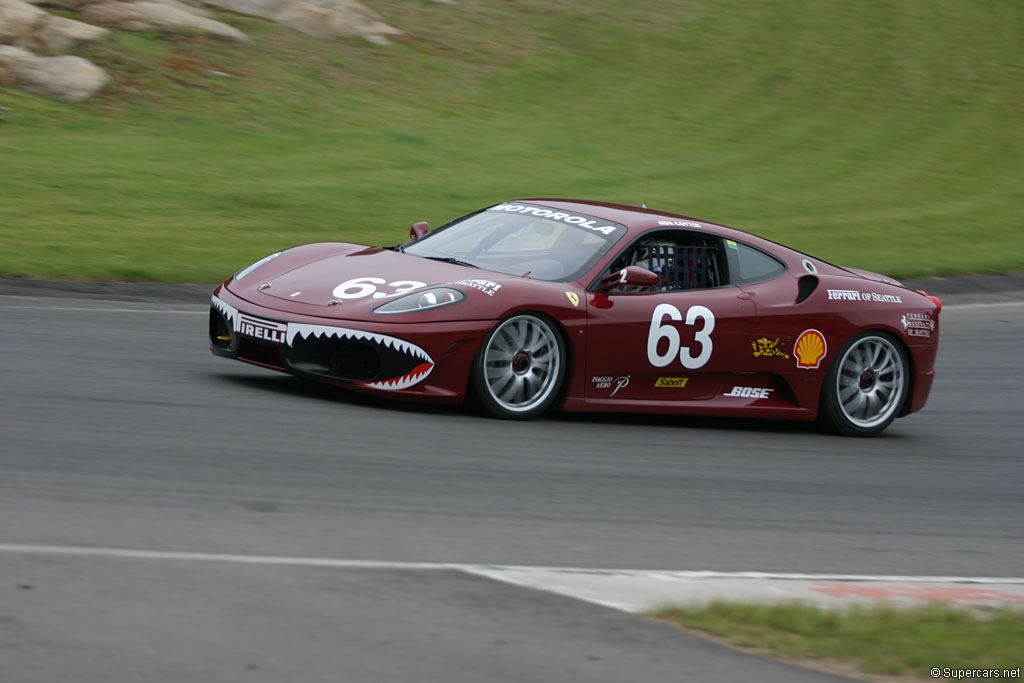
631,276
418,230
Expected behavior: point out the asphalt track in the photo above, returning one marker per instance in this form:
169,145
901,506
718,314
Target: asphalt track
118,429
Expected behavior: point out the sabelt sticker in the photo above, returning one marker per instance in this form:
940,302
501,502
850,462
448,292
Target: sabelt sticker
672,382
809,349
574,298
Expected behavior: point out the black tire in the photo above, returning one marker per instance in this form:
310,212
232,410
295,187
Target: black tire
519,369
866,385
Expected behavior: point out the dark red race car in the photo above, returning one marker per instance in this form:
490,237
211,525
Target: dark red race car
589,306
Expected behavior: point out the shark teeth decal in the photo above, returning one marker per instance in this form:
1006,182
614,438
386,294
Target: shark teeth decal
229,311
416,375
307,331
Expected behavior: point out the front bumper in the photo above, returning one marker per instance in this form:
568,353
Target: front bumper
434,366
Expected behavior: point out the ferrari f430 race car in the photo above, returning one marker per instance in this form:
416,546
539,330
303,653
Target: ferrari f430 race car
589,306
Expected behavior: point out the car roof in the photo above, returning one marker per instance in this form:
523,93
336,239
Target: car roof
639,219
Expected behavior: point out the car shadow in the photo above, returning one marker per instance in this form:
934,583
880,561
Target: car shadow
697,422
301,388
279,384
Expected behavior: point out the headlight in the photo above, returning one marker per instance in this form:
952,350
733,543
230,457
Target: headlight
248,269
421,301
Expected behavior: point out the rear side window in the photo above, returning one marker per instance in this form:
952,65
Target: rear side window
748,265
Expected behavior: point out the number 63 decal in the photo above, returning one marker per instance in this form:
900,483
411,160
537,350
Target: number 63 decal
661,331
358,287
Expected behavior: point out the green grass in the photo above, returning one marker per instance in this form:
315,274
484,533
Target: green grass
882,640
876,135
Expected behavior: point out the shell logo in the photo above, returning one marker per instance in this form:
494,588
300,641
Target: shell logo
810,348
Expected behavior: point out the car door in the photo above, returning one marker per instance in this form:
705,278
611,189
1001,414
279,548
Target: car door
676,344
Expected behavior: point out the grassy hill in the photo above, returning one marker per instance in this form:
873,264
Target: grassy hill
881,135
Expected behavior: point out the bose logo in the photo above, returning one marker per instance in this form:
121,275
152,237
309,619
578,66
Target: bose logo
749,392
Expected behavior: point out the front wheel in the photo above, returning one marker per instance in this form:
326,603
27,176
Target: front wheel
866,385
519,369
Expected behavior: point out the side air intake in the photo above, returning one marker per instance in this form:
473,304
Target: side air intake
807,285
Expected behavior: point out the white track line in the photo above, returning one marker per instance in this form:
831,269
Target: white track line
489,569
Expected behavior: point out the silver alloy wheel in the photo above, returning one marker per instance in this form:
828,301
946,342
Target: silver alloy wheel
521,363
870,382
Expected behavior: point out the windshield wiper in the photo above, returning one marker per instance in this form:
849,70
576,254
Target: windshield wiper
450,259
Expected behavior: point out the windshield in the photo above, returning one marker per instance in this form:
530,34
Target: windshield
522,239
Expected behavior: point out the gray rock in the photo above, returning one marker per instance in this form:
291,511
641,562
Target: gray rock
64,77
26,26
319,18
334,19
19,20
258,8
147,16
188,7
60,34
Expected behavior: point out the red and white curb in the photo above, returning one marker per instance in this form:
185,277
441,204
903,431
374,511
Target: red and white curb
637,590
640,591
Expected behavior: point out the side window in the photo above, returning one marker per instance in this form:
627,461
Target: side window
749,265
683,260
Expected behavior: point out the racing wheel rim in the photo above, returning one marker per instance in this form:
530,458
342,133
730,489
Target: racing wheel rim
870,382
521,363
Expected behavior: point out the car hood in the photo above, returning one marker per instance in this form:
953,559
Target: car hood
351,284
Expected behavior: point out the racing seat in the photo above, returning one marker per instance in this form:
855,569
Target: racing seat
681,267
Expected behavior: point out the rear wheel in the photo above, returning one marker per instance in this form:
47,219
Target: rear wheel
519,369
866,385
